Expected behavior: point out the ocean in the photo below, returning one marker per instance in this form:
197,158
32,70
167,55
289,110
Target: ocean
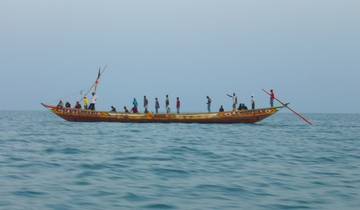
280,163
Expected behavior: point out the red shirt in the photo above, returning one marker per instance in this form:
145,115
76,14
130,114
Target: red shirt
272,95
177,104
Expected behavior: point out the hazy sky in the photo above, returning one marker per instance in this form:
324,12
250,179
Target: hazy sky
307,50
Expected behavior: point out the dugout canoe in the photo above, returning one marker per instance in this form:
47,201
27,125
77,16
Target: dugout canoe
243,116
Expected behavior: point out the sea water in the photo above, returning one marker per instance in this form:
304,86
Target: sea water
280,163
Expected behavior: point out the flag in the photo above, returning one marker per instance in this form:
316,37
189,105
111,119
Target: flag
98,77
97,80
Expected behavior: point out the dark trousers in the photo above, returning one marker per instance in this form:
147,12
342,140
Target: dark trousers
92,106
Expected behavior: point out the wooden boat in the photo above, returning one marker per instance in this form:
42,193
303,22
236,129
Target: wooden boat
244,116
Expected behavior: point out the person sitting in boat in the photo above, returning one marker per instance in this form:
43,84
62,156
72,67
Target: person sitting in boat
242,107
86,102
221,108
60,104
113,109
126,109
93,101
134,110
78,105
67,105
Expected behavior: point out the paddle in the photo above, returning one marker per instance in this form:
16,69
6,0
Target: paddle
293,111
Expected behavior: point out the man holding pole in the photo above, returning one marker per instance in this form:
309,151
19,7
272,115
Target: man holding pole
272,97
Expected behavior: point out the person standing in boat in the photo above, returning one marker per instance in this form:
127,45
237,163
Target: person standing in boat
234,101
93,102
167,104
208,103
135,106
86,102
157,105
252,103
272,97
178,104
146,104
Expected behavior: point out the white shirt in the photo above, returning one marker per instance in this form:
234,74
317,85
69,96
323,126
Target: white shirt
93,100
234,100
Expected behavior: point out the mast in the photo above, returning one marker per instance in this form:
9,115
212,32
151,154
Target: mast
95,85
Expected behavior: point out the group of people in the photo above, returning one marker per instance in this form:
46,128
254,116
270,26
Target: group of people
86,103
253,106
135,109
135,104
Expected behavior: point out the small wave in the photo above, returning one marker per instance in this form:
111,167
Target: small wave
220,188
285,207
67,151
15,159
141,158
134,197
70,151
38,164
29,193
325,173
318,183
102,193
159,206
167,172
135,131
86,174
94,166
186,150
82,183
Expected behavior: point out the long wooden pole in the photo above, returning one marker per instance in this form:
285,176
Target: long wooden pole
101,73
87,93
293,111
